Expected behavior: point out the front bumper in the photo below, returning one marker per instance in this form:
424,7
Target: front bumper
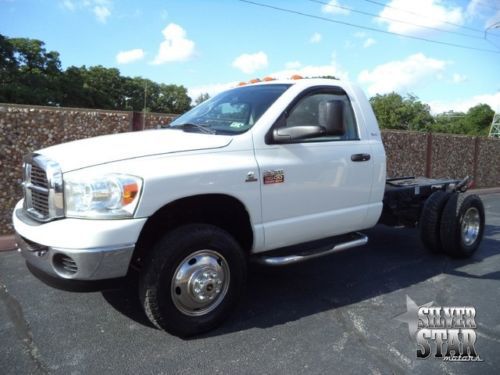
77,249
79,264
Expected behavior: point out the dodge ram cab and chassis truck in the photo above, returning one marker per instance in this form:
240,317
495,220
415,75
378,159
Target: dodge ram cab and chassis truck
276,173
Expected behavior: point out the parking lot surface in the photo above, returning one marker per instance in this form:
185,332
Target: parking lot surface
332,315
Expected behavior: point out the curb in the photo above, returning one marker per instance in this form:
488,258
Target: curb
486,191
7,243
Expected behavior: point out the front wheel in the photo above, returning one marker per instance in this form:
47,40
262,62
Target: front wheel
193,279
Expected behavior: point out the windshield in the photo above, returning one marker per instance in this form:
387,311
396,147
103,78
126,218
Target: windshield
231,112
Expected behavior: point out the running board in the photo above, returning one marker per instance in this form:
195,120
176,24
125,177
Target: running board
352,240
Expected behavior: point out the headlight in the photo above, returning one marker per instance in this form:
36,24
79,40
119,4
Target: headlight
112,196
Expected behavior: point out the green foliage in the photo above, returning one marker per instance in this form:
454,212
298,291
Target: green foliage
201,98
476,121
28,73
405,113
31,75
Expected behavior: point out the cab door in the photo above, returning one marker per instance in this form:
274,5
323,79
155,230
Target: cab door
316,187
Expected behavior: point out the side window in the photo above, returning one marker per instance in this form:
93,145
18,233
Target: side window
306,113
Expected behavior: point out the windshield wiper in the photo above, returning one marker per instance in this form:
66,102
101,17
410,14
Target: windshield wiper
190,127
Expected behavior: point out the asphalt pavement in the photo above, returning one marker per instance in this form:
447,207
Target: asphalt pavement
330,315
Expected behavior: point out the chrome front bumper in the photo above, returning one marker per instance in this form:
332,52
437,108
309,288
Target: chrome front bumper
79,264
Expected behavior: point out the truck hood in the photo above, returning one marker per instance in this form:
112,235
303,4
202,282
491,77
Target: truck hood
105,149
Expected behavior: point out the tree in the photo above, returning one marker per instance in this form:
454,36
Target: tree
478,119
29,74
201,98
396,112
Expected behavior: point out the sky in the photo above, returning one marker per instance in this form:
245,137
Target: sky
433,49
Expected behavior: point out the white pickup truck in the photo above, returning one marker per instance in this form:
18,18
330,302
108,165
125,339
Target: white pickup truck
276,172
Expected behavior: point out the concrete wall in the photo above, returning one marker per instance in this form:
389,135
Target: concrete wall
24,129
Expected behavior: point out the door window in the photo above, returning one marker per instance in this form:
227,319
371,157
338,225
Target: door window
306,113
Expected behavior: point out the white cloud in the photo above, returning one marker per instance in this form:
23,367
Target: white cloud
249,63
100,8
463,105
69,5
403,75
102,13
434,14
334,7
458,78
474,7
331,69
211,89
349,45
293,65
125,57
359,34
312,71
175,47
315,38
369,42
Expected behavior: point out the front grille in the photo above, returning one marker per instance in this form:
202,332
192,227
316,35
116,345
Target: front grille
39,198
39,177
40,202
42,188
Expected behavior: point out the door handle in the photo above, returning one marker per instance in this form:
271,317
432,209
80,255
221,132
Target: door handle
360,157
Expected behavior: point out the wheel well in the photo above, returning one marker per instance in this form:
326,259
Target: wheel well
223,211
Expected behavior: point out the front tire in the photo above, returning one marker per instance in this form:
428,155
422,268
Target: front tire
193,279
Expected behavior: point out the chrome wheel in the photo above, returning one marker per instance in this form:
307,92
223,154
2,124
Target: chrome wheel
200,283
471,225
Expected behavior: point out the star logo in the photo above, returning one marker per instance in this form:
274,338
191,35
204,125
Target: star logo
410,317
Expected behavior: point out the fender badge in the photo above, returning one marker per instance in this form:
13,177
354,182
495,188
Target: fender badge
274,177
251,177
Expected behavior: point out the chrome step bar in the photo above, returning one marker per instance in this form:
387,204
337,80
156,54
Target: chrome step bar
292,259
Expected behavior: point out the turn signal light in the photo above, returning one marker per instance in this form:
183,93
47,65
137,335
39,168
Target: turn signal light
129,193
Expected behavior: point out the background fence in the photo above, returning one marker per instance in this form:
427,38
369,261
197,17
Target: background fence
24,129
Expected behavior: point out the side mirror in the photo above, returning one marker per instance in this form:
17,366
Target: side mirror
286,135
331,116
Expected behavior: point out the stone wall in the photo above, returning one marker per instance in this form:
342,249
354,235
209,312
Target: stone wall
24,129
443,156
452,156
488,162
157,120
406,153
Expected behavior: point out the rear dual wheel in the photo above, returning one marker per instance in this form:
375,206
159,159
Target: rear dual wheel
452,223
462,225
